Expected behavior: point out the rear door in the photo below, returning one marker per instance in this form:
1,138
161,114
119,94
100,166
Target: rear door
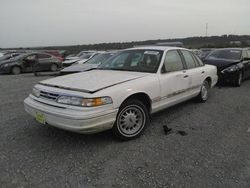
195,69
44,61
174,79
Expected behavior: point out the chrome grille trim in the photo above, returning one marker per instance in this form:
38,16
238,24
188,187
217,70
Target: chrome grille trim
49,95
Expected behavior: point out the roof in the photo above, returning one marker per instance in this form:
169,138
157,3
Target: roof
163,48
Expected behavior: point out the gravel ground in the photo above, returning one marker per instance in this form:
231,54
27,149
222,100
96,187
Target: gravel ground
214,152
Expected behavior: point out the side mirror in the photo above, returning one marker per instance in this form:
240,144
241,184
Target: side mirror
163,70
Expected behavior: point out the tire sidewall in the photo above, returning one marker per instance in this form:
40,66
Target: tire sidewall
239,79
200,97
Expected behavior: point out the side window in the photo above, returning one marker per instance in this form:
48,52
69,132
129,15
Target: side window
244,53
31,57
248,53
188,59
198,61
43,56
173,62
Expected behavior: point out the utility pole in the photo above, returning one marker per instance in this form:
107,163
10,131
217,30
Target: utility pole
206,29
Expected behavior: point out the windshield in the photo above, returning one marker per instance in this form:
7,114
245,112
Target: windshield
226,54
134,60
86,56
99,59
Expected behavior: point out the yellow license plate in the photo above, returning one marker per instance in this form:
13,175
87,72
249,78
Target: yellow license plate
40,118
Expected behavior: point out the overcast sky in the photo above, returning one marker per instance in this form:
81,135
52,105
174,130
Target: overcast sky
26,23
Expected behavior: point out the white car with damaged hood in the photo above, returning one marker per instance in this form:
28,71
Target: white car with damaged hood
123,92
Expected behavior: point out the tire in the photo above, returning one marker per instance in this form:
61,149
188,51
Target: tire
239,79
16,70
203,95
131,120
54,67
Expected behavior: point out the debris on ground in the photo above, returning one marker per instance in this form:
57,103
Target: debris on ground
182,133
167,130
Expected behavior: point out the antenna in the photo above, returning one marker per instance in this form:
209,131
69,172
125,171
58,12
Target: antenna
206,29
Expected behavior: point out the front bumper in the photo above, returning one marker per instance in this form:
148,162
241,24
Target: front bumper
67,120
4,70
228,77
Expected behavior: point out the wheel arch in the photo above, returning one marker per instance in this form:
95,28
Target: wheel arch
209,79
141,96
19,66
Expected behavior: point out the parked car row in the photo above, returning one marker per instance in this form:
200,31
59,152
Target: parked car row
119,90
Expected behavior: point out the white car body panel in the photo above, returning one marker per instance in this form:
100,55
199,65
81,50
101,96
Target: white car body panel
163,90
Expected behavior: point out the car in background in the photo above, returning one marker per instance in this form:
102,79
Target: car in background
94,62
1,54
56,53
233,64
83,56
123,92
30,62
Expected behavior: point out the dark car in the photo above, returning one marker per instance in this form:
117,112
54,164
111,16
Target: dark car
233,64
30,62
90,64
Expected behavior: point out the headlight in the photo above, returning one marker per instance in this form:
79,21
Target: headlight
79,101
6,65
230,69
36,92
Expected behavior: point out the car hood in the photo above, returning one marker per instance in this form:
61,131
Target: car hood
79,67
7,61
221,63
92,81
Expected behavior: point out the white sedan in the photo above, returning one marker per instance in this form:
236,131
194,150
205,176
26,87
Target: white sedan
123,92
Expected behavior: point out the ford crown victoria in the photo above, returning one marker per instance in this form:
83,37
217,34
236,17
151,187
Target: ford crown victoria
123,92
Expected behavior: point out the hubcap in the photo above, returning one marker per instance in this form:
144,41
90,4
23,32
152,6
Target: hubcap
131,120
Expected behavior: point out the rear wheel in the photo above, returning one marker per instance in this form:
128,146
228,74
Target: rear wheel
16,70
53,67
131,120
239,79
203,96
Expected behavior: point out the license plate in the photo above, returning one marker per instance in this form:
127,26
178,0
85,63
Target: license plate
40,118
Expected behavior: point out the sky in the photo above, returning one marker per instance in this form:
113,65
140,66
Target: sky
31,23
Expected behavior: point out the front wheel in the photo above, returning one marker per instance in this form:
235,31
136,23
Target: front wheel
238,81
131,120
203,96
16,70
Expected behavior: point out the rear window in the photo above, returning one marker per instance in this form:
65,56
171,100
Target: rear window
226,54
43,56
190,62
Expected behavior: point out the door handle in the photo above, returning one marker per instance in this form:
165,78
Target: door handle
186,76
202,72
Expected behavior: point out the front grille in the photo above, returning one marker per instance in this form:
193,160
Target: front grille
48,95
